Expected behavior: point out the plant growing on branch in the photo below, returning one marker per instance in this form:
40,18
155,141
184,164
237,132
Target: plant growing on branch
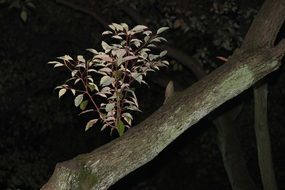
111,99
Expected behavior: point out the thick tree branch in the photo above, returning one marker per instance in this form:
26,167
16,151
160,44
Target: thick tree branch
106,165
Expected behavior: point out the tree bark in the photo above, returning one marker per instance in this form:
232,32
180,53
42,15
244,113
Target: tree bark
267,25
111,162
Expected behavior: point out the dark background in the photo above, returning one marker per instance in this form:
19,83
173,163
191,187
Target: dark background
37,130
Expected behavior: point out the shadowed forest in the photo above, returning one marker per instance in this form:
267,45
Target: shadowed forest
39,130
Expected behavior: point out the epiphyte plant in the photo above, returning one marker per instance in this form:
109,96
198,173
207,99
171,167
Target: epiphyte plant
102,85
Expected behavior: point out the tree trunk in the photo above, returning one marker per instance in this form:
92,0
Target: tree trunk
267,25
263,138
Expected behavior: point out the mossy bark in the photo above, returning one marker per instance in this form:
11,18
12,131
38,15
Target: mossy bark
142,143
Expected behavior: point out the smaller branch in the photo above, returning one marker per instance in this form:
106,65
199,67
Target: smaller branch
83,10
186,60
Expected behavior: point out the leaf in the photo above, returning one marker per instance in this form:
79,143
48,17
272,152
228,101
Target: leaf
106,70
90,124
92,87
163,53
101,94
58,65
148,32
125,26
83,104
128,118
162,29
106,90
73,73
77,80
151,45
121,128
106,80
105,46
128,58
92,51
120,52
104,57
107,32
146,39
73,91
80,58
118,27
137,77
78,99
165,62
110,107
139,28
61,92
133,108
24,15
86,111
53,62
65,58
117,37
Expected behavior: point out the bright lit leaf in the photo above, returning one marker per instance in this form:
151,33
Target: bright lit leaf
53,62
86,111
61,92
74,72
110,106
58,65
106,80
162,29
125,26
139,28
90,124
104,57
107,32
118,27
80,58
65,58
105,46
73,91
78,99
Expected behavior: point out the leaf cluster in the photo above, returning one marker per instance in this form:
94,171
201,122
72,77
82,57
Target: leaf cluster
111,99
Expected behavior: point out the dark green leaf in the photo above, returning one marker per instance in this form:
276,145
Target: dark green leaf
121,128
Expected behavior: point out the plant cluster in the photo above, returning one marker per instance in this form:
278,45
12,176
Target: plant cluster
103,84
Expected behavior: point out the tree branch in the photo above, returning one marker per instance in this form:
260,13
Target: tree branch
83,10
109,163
